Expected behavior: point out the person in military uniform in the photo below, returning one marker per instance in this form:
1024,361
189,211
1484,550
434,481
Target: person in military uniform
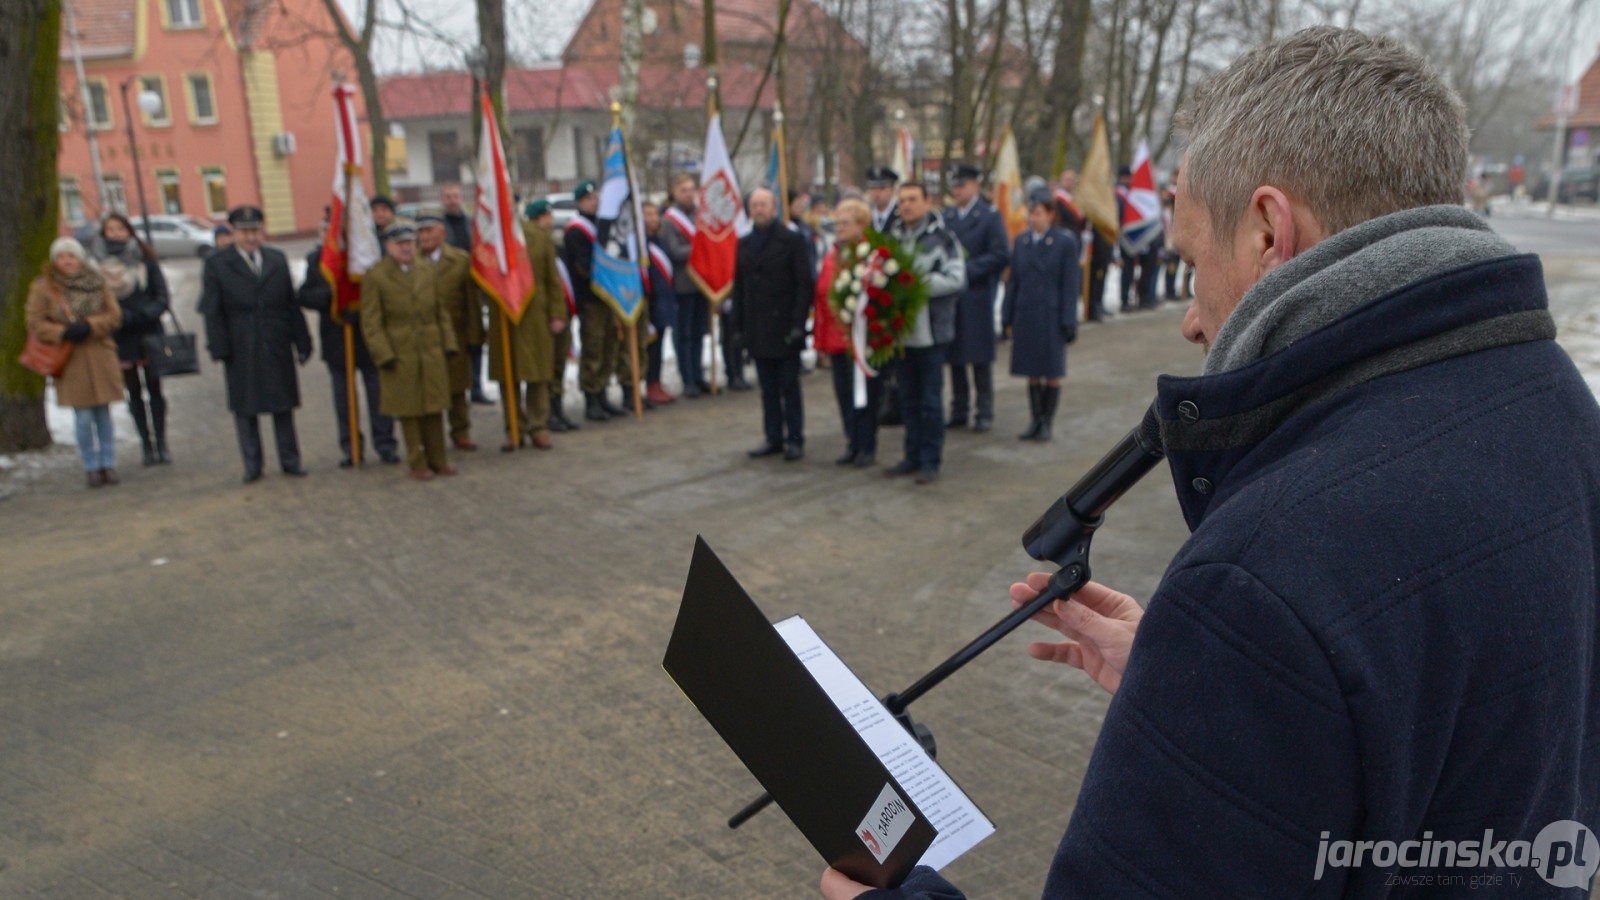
317,295
884,202
457,293
539,213
601,341
410,336
532,347
982,234
255,329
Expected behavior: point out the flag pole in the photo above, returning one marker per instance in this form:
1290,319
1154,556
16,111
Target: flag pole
512,395
711,113
783,169
349,332
633,353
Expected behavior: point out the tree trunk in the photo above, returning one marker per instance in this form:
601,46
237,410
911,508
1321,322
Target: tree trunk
492,35
360,48
29,207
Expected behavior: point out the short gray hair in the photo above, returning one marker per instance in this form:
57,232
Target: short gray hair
1356,126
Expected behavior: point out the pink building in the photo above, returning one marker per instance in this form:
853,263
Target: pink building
246,112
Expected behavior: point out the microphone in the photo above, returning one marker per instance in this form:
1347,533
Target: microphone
1061,534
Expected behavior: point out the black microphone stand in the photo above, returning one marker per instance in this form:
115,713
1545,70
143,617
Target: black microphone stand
1061,536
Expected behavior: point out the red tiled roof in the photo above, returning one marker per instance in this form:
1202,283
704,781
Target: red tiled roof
447,94
105,28
1588,113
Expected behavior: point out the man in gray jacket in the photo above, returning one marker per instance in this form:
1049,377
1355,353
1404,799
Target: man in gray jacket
943,269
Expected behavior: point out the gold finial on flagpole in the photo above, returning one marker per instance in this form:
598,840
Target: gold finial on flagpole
616,114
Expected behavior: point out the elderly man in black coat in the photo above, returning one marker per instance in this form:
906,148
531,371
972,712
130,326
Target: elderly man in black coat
255,329
772,296
982,233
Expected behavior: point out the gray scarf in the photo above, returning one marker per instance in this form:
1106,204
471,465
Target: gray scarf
1347,271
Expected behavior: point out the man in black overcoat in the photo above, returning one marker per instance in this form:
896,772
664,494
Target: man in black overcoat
772,298
982,233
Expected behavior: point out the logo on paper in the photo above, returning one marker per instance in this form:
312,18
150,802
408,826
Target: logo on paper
886,823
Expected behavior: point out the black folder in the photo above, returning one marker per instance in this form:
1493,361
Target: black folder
736,668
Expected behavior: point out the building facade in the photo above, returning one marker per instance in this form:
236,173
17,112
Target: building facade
245,114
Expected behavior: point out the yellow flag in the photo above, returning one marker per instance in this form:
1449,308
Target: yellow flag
1008,197
1096,194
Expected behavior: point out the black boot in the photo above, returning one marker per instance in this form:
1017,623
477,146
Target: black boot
158,424
141,423
611,409
627,401
1049,396
593,410
1034,392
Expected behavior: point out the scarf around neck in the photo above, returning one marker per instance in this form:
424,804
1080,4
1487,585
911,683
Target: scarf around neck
1347,271
84,292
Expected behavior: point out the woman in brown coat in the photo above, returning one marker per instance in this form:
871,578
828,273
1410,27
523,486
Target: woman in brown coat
71,302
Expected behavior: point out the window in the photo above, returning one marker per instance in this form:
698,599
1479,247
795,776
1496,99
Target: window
71,202
182,13
157,85
530,153
202,104
167,185
216,190
116,194
99,105
443,148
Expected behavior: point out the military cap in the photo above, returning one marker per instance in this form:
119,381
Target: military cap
537,208
400,231
246,217
881,176
382,200
584,189
430,215
1124,172
963,172
221,230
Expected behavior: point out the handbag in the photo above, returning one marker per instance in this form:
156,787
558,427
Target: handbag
172,353
49,360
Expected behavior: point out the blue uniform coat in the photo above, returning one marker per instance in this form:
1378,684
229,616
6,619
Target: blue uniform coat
983,235
1042,298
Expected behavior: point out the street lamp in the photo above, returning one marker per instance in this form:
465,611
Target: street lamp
150,103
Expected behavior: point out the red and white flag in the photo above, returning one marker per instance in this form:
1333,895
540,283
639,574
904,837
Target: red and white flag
715,245
1141,211
350,244
500,263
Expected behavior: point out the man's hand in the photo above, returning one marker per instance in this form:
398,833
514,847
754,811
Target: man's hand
836,885
557,326
1099,621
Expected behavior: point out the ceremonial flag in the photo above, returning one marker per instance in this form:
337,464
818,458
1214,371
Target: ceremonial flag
904,155
350,244
1141,212
500,262
1096,193
1008,197
616,274
717,219
778,172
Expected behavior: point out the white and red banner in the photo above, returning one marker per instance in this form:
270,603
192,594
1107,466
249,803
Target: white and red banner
350,243
500,262
715,245
1141,210
1008,197
905,156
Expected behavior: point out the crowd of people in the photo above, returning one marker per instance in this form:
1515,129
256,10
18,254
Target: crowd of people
416,344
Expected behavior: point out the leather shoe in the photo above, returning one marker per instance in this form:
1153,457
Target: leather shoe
692,391
249,477
109,476
792,452
657,394
866,460
422,474
846,459
390,459
703,387
466,444
294,471
982,425
557,424
93,478
543,442
610,409
738,384
765,450
903,467
927,476
346,463
508,447
445,470
956,422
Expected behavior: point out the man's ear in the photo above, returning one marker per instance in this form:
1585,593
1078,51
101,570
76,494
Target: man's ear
1271,234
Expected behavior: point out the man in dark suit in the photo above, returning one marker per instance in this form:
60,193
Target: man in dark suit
978,227
458,234
772,298
256,330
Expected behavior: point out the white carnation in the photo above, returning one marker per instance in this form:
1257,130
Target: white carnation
860,271
892,267
879,279
863,248
842,282
855,287
859,303
845,316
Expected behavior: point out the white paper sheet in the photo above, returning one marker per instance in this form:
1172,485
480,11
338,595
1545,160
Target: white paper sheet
960,823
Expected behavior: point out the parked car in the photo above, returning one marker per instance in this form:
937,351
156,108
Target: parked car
563,207
176,236
1576,184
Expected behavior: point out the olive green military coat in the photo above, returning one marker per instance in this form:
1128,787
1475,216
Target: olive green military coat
458,294
410,336
532,346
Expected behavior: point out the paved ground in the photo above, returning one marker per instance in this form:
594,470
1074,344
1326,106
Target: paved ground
358,686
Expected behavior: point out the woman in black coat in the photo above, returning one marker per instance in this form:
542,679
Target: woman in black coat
131,269
1041,310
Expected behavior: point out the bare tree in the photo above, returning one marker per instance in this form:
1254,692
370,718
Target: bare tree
29,207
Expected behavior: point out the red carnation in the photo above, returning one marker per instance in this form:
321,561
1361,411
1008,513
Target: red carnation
899,323
885,301
884,252
875,326
905,277
871,312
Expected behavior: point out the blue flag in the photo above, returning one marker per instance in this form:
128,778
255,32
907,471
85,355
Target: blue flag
774,170
616,275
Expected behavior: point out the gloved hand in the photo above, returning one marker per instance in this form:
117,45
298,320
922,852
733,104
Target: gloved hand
77,332
1069,333
795,338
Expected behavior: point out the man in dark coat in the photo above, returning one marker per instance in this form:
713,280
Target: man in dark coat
772,284
884,203
693,312
317,295
458,234
256,330
1374,666
977,225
